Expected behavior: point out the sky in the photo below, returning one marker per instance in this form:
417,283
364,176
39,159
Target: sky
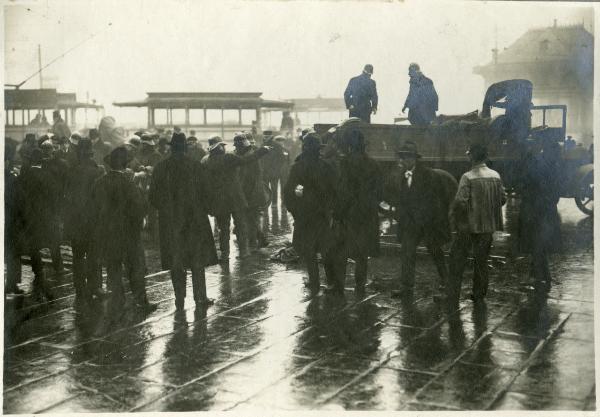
285,49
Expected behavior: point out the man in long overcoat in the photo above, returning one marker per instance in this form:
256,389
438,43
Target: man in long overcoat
422,99
117,216
37,207
360,95
12,221
255,190
56,168
80,179
310,195
421,197
180,191
539,222
360,191
228,198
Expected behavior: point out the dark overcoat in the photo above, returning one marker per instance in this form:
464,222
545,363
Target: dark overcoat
80,181
117,215
361,93
251,179
312,211
222,172
360,191
539,221
276,163
38,208
424,206
180,191
422,101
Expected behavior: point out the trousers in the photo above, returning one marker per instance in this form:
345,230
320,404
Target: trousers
224,222
410,239
87,272
481,244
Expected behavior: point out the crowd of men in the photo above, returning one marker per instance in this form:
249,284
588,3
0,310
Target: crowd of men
74,187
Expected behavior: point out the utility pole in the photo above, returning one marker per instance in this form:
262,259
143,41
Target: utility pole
40,65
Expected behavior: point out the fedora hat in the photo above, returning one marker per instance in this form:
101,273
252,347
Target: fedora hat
408,149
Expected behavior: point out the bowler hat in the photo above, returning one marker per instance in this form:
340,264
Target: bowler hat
408,149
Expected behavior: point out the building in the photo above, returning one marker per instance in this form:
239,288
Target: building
559,61
308,111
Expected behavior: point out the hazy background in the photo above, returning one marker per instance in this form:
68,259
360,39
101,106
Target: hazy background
285,49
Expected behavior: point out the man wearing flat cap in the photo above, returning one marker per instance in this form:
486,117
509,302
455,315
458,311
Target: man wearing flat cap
361,95
118,211
180,191
477,213
421,198
229,199
80,179
255,190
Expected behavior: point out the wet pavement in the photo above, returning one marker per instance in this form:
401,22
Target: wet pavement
266,345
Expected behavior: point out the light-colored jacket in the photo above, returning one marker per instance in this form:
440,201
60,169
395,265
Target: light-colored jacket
480,196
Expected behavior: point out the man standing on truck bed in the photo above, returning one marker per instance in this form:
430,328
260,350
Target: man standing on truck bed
422,100
361,95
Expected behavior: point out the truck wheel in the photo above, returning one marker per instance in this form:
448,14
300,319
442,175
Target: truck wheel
584,196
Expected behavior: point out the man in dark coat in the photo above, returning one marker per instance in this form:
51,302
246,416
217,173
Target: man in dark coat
180,192
37,206
87,273
422,99
56,168
361,95
275,166
421,197
228,198
310,195
360,191
255,191
539,222
117,217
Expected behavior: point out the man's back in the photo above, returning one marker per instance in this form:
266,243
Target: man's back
481,194
361,93
78,194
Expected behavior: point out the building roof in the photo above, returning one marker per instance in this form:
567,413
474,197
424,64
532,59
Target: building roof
211,100
547,44
318,104
47,98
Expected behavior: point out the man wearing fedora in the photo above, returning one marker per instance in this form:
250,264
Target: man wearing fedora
421,197
310,195
180,191
361,95
118,211
477,214
228,197
80,179
255,191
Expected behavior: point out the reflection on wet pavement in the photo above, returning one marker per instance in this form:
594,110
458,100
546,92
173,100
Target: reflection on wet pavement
266,344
